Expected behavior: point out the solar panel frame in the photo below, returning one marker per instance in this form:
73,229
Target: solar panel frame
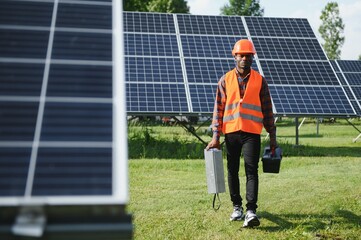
45,116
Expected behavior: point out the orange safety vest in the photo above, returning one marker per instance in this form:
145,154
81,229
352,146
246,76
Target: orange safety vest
243,114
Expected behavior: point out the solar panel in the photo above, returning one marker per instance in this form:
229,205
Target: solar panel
195,50
69,103
63,115
349,73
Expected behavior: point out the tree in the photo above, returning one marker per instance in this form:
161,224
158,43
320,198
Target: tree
243,8
331,30
359,57
166,6
135,5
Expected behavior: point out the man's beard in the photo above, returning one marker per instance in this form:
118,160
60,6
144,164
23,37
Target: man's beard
243,65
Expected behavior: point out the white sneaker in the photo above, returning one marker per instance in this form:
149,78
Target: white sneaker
251,219
237,214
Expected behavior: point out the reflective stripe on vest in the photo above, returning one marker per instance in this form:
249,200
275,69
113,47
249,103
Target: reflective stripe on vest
245,115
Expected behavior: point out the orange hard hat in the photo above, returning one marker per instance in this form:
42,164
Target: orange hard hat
243,46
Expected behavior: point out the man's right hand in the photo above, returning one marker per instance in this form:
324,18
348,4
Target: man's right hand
213,144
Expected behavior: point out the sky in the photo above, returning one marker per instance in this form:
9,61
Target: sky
350,12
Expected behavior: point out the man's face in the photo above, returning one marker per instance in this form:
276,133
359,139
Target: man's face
243,61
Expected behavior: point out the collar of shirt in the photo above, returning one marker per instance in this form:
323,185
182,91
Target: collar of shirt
242,80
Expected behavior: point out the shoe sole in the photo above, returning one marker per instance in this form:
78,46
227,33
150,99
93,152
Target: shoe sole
252,223
235,219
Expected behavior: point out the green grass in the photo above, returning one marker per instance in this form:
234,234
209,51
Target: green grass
317,194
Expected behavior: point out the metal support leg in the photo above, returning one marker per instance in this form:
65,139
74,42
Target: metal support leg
353,125
190,129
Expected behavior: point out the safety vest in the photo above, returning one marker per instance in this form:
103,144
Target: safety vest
243,114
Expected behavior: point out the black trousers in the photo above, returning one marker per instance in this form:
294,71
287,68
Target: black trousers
250,144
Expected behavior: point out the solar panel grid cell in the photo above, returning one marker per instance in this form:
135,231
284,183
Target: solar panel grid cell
353,78
148,23
349,71
298,73
151,45
18,120
20,79
26,13
13,170
82,46
350,65
15,43
84,16
73,171
160,70
285,48
210,25
200,95
279,27
311,100
156,98
207,46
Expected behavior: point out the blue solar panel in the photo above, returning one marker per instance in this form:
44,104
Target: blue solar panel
161,70
21,79
84,171
353,78
288,54
288,48
200,95
82,46
18,120
207,46
14,167
216,68
56,99
151,45
87,16
279,27
311,100
92,81
25,13
349,73
156,98
148,22
298,73
210,25
24,43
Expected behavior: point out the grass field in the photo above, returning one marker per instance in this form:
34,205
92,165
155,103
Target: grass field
317,194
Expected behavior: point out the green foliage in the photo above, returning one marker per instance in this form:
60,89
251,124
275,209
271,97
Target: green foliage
173,142
359,57
243,8
331,30
136,5
146,142
168,6
165,6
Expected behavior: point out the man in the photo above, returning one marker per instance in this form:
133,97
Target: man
242,107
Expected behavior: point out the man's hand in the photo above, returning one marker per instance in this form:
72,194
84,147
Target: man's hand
273,146
273,151
213,144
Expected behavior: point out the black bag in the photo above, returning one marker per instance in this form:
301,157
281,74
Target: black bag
271,164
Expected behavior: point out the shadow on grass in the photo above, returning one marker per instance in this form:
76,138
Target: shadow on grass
311,222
